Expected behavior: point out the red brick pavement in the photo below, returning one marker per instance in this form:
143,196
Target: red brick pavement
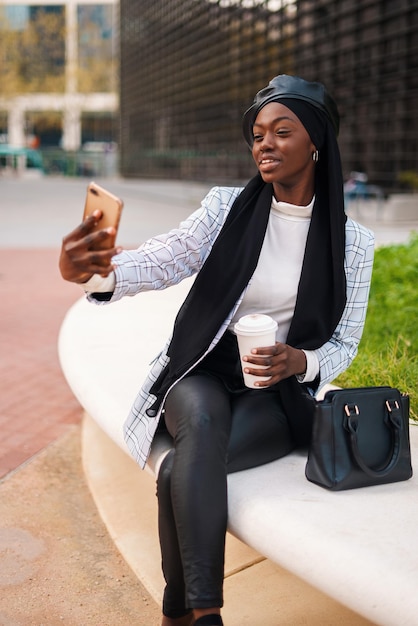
36,404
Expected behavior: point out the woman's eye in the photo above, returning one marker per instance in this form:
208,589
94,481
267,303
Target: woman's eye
282,132
258,138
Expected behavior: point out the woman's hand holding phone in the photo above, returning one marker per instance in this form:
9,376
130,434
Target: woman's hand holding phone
89,248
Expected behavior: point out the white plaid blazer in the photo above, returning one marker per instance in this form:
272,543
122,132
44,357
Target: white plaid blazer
167,259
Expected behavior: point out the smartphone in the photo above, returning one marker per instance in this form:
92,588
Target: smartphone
110,205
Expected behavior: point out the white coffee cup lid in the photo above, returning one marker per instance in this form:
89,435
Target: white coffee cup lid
255,324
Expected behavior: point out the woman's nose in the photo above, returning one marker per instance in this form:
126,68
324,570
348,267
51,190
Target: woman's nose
267,142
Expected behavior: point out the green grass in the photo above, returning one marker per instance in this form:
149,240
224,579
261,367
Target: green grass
388,351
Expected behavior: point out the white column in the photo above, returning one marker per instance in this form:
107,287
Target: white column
71,47
71,135
16,125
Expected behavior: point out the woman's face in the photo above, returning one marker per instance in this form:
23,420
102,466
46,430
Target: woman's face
283,150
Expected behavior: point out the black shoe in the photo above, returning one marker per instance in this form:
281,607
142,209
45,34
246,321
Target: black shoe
209,620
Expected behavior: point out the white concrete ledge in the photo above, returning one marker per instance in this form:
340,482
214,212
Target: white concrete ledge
401,207
357,546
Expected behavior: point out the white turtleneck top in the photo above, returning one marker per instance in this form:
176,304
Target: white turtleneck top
274,284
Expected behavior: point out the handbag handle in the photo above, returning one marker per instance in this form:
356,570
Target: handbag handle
394,422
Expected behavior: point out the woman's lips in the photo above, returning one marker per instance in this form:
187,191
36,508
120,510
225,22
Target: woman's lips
268,163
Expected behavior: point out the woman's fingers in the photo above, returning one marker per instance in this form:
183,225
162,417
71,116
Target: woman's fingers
279,362
84,228
85,252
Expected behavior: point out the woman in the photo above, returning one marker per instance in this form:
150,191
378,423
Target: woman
281,246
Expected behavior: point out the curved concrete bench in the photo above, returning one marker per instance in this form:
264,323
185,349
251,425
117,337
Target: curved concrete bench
357,547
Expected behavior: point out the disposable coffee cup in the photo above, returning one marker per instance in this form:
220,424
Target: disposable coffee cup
254,331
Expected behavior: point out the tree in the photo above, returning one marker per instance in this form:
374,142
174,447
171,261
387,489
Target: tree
32,59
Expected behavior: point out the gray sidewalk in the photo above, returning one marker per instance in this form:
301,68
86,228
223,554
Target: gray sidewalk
37,213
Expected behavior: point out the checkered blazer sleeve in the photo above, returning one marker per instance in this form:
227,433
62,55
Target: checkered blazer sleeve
167,259
336,354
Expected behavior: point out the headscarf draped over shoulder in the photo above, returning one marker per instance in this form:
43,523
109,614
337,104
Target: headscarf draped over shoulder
227,270
323,278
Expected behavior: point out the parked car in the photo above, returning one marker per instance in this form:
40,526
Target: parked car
10,156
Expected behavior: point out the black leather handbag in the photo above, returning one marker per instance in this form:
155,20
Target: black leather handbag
360,438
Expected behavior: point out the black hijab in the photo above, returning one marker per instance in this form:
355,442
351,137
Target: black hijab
234,256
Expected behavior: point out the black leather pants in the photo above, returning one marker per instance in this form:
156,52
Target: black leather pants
215,431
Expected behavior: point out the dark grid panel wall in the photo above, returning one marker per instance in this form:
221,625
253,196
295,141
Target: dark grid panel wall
366,52
189,69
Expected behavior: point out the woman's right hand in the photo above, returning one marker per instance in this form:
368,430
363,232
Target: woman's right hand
85,252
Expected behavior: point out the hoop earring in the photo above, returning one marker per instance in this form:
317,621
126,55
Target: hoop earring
315,156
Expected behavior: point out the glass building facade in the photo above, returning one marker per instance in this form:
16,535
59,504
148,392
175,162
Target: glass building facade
190,68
